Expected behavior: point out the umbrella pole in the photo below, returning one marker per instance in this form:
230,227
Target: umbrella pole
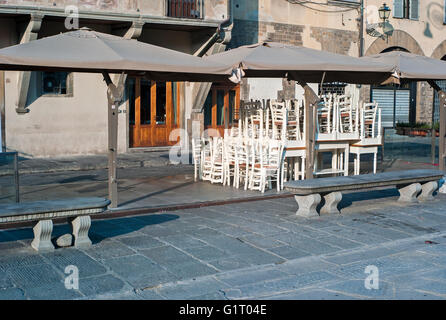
442,155
114,97
311,100
442,133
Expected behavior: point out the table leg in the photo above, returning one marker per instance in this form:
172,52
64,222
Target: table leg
346,160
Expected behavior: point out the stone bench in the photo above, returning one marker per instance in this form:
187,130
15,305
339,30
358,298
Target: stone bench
43,212
309,193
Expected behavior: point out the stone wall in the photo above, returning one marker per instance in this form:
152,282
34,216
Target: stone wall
425,96
280,32
335,40
213,9
288,90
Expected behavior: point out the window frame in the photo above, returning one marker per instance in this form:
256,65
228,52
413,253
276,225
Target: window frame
402,9
444,13
69,86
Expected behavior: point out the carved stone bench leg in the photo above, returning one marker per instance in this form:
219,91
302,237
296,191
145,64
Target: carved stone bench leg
331,203
426,191
42,236
408,193
81,225
307,205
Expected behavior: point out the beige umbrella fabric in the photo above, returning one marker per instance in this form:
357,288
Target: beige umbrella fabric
411,67
85,50
276,60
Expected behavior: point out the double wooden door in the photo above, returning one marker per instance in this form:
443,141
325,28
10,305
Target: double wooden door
154,112
221,109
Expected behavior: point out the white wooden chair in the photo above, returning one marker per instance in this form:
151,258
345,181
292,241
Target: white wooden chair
242,172
217,171
229,159
370,129
345,113
206,157
267,164
325,115
279,116
197,157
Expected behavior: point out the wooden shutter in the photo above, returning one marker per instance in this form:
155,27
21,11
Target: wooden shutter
414,9
398,8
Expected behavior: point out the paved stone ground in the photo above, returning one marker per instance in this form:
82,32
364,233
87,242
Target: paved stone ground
89,162
145,187
256,250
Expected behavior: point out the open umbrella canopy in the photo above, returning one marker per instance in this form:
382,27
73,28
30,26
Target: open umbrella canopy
85,50
276,60
411,67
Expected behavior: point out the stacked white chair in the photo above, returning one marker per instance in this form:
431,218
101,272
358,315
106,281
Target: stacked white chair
267,144
197,157
370,135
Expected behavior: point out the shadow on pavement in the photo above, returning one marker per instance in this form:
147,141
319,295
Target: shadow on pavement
99,230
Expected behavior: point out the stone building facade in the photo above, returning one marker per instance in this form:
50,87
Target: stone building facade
419,27
73,122
39,121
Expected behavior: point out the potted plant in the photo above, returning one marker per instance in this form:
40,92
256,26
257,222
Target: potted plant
402,128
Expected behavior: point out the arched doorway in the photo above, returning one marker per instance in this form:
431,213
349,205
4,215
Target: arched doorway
397,102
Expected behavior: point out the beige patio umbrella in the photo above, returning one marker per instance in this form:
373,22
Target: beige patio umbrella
277,60
409,67
85,50
270,59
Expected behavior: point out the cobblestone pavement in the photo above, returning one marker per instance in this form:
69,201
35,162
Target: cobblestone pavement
254,250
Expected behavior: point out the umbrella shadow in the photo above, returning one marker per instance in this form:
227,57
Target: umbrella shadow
348,199
156,193
106,229
99,230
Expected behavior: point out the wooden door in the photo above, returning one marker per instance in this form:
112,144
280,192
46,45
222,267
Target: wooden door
222,107
154,112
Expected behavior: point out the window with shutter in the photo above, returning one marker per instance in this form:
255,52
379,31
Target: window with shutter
414,9
398,8
444,11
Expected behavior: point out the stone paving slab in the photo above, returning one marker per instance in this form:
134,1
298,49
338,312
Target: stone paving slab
222,252
92,162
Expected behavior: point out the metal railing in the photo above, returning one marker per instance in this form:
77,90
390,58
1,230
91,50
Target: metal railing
9,167
192,9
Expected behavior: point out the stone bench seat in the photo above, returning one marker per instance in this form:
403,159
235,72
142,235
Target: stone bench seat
43,212
309,193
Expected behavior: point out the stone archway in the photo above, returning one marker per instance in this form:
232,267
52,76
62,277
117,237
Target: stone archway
398,39
424,93
440,51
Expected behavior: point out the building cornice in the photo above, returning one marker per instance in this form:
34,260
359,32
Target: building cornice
108,16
